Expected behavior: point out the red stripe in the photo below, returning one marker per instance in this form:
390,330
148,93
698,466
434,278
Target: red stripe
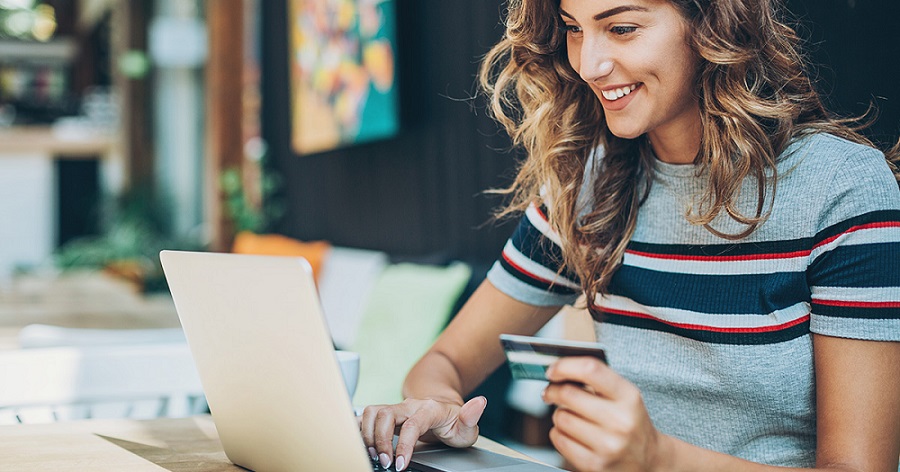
764,329
520,269
881,224
849,304
746,257
540,213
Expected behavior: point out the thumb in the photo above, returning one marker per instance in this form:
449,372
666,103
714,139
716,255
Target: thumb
471,412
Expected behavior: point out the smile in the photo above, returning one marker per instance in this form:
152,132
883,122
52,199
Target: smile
617,93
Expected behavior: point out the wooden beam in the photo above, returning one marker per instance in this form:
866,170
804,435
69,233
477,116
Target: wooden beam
129,33
224,105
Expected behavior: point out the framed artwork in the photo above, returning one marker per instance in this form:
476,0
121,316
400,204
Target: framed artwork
343,72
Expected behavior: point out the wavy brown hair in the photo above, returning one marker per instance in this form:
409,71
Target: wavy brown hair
755,98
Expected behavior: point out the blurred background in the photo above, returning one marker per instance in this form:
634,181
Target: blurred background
131,126
111,108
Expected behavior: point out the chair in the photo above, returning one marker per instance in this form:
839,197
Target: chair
75,382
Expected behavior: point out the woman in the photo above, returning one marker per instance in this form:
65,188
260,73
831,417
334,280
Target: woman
739,249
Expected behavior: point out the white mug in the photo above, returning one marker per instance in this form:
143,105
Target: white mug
349,362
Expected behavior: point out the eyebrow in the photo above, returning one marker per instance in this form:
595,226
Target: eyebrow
610,12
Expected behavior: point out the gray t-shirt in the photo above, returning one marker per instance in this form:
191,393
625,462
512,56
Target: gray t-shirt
717,333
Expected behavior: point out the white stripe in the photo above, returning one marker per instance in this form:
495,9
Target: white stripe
531,358
759,266
523,292
858,237
536,269
677,316
855,294
541,224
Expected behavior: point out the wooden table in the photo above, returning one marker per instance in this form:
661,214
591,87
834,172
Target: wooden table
86,299
183,445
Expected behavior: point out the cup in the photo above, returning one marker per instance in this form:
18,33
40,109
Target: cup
349,362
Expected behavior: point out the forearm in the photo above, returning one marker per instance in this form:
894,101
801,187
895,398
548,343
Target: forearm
434,377
678,456
469,349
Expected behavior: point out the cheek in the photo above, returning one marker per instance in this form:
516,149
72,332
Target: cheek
687,78
677,69
574,54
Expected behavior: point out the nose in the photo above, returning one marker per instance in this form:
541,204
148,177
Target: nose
596,60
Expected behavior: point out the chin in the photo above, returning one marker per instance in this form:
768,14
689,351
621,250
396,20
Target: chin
624,132
625,128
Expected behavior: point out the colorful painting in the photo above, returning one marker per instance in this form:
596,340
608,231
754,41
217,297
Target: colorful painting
343,76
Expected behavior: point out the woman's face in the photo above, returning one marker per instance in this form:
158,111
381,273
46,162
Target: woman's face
634,54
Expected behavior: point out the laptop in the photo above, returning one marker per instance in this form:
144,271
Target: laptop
266,361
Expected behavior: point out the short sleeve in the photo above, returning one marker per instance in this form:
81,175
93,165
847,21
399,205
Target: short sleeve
530,267
854,273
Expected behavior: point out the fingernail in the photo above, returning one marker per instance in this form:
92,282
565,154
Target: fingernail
385,460
401,463
372,453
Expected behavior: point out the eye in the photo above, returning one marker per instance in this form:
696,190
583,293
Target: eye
622,30
570,29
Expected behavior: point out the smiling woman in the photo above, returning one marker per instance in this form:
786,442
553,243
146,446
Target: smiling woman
676,158
630,51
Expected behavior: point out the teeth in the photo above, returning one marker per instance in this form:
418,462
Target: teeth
618,93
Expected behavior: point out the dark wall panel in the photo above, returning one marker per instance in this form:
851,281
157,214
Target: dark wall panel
421,192
855,47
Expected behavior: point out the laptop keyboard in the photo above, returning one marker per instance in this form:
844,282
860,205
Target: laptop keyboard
376,467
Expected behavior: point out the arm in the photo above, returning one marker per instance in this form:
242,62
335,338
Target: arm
469,349
858,404
462,357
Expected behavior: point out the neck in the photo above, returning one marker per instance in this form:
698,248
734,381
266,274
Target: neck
676,144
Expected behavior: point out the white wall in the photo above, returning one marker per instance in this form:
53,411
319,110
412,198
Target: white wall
28,209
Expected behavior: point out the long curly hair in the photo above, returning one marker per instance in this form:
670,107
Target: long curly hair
754,94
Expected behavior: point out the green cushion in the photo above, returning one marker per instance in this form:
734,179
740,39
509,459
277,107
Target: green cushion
409,306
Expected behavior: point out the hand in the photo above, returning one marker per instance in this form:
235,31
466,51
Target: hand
447,421
600,422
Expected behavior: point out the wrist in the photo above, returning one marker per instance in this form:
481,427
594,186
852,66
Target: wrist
664,456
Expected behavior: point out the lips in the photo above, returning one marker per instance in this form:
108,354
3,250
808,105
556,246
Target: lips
617,98
617,93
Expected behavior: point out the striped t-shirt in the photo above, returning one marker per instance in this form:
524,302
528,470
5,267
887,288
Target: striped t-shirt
717,333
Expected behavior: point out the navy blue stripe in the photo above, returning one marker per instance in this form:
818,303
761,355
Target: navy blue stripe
529,241
734,249
892,313
534,245
880,216
720,294
715,337
858,265
554,288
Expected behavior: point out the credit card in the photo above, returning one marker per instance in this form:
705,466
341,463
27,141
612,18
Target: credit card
529,357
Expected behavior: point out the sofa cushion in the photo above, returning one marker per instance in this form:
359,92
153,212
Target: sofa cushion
247,242
408,308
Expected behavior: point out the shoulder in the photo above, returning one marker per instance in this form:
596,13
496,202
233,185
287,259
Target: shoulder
842,178
823,152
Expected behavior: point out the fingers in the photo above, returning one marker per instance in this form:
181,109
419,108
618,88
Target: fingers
576,453
592,373
410,432
463,431
367,428
453,425
600,417
471,411
377,425
574,398
385,421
